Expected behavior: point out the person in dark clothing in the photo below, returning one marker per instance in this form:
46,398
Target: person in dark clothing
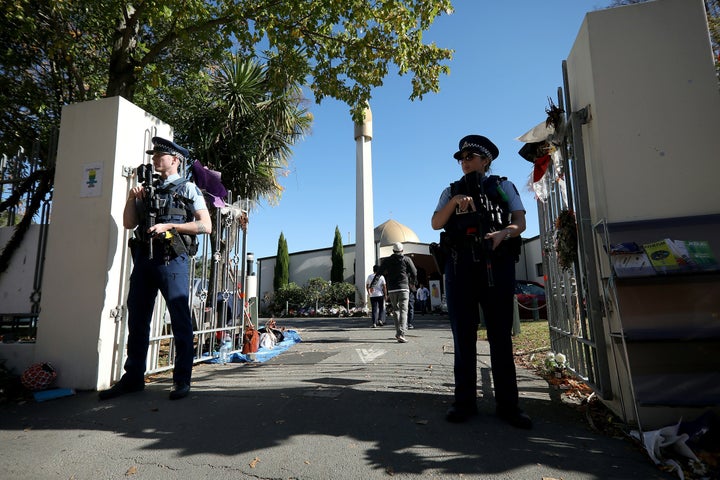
483,218
411,307
399,272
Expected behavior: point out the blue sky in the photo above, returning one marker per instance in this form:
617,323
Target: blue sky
507,62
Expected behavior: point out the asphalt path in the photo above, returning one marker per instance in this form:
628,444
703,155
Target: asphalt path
348,402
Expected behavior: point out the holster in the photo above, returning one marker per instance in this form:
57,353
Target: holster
438,255
191,243
441,251
177,245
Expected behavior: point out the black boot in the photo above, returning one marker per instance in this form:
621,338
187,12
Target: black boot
515,417
121,388
460,413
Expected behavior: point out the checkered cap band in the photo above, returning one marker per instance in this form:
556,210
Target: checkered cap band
172,151
484,150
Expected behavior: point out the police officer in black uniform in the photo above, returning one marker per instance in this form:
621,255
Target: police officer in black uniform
167,213
483,217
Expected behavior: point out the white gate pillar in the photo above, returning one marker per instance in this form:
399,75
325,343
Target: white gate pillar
81,310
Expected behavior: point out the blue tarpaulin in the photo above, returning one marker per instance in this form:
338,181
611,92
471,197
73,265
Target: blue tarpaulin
290,338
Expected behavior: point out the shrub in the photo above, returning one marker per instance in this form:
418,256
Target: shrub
316,297
338,292
291,295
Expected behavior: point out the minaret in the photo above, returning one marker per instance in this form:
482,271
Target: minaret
364,235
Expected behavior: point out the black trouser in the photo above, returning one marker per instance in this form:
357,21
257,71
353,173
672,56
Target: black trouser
411,310
378,310
467,290
148,277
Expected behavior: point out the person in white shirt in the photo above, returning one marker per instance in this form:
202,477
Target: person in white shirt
423,295
377,289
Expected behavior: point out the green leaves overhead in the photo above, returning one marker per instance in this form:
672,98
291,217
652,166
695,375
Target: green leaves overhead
347,46
171,57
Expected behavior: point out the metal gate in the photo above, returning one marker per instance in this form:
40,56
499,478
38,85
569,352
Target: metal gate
574,304
25,203
217,271
218,302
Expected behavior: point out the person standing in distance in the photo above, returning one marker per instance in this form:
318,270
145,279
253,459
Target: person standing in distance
423,297
377,289
483,217
178,213
399,272
411,307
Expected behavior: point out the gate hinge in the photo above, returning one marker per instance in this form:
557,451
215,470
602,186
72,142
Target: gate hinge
117,313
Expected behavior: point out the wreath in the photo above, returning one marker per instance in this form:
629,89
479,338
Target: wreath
566,239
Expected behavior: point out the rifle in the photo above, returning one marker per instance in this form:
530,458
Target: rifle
150,203
486,219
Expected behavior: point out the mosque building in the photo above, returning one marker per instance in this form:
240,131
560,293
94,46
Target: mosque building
359,257
309,264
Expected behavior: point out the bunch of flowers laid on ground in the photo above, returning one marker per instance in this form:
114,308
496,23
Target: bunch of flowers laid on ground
555,364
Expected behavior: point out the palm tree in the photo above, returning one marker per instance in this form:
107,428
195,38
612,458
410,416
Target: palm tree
244,127
247,128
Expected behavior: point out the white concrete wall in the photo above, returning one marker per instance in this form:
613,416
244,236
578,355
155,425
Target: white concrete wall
530,256
317,263
647,73
86,261
16,283
16,286
651,144
304,266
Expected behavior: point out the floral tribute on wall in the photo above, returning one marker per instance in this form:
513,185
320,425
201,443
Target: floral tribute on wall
542,150
566,239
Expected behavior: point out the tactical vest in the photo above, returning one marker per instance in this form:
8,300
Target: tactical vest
492,213
172,207
167,206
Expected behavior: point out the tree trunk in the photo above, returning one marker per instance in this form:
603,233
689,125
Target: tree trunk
121,75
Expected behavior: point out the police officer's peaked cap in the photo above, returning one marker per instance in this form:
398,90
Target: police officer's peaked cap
161,145
477,144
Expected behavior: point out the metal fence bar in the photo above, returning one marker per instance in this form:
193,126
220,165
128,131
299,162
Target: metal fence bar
213,317
572,316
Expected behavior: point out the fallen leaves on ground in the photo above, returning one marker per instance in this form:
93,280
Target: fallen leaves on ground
578,395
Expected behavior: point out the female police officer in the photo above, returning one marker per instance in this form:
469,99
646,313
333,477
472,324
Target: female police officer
483,218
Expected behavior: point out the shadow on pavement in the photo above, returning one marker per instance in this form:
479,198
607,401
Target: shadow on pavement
316,411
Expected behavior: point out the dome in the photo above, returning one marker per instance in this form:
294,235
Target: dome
391,231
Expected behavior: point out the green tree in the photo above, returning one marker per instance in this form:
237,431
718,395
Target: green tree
339,294
337,271
291,296
316,291
245,128
53,53
282,264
